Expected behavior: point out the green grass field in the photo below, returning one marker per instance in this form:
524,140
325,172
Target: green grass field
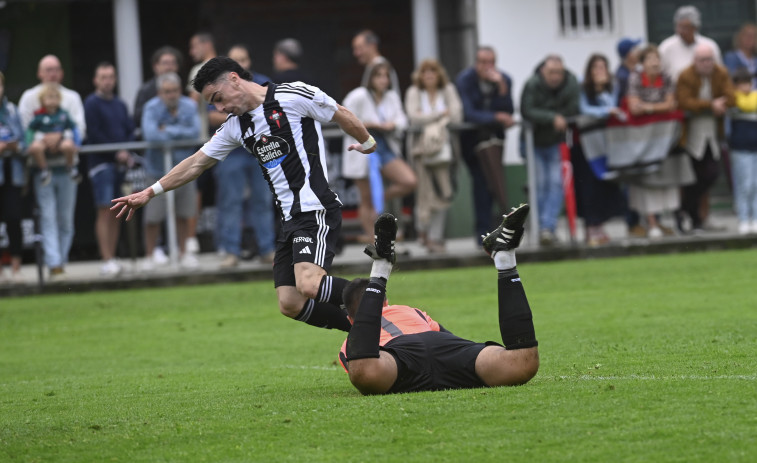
643,359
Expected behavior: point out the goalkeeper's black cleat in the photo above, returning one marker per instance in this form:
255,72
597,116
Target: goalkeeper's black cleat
385,234
508,235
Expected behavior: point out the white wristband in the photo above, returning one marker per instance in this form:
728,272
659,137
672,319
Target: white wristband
369,143
157,188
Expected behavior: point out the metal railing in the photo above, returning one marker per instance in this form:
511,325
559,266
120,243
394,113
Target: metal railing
167,148
333,131
330,131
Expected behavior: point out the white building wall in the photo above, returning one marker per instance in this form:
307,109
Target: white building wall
524,32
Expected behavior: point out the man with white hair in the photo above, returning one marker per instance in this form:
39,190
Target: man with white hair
166,117
677,51
705,92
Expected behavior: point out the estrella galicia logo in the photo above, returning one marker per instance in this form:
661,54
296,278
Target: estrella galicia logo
271,150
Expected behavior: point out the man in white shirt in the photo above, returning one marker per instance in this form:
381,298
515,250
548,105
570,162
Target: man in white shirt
51,71
56,198
677,51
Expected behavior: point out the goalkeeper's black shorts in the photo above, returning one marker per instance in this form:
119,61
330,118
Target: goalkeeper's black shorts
434,360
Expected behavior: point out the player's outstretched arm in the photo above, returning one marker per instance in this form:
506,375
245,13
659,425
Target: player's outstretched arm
352,126
183,173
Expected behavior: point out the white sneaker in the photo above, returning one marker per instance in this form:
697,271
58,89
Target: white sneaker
655,233
744,228
159,256
192,246
111,268
189,261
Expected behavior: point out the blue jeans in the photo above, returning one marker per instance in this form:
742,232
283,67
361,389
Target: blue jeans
744,170
549,192
378,159
243,195
57,203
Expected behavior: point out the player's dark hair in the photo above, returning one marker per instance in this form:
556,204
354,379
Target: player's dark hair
353,294
214,69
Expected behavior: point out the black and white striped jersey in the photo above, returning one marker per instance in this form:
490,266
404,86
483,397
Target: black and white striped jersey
284,134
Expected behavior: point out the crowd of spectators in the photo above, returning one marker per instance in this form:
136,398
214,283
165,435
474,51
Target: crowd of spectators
685,83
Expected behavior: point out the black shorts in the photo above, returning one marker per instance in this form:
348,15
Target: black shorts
434,360
306,237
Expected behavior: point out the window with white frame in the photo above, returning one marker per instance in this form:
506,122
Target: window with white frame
581,18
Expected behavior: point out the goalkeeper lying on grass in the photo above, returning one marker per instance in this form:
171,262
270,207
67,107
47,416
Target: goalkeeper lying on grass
394,348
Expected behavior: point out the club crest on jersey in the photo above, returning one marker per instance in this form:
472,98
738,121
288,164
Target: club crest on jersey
270,150
275,116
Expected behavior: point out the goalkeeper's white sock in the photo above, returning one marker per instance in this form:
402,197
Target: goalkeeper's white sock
381,269
504,260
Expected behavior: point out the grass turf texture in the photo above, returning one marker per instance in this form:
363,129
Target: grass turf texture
643,359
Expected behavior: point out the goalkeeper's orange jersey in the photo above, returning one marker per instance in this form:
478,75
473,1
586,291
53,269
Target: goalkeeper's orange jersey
397,320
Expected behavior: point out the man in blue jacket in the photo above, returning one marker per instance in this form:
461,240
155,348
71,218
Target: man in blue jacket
108,121
167,117
486,93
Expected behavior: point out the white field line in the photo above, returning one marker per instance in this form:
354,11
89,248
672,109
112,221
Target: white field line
584,377
312,367
652,378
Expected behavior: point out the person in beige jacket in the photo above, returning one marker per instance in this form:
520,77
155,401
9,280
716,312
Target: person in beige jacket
431,103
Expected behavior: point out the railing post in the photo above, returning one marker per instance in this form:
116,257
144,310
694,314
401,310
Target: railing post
173,248
533,218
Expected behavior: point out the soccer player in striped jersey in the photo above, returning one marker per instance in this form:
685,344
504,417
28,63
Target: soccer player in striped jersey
396,348
280,125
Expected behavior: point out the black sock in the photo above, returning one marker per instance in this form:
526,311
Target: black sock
324,315
330,290
515,320
363,340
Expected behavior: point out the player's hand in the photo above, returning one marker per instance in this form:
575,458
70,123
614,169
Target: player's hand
129,204
359,147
